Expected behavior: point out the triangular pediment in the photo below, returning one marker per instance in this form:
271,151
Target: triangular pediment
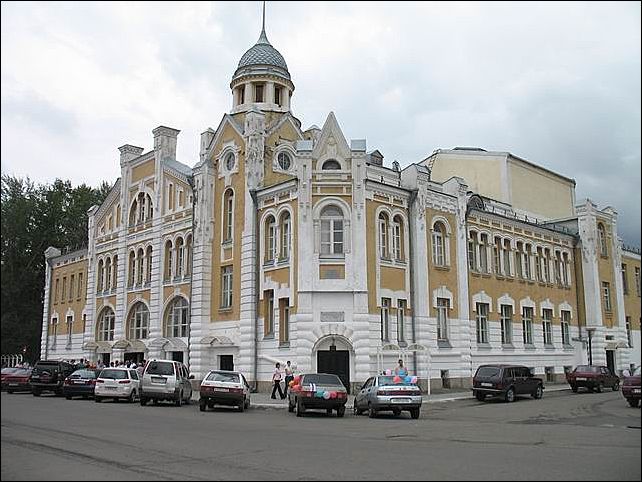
332,142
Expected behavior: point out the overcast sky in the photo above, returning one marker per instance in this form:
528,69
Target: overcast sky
557,84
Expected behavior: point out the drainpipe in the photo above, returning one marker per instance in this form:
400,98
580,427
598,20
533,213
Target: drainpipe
413,198
190,180
256,289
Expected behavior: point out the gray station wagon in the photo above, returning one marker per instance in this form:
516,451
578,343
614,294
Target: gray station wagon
165,380
382,394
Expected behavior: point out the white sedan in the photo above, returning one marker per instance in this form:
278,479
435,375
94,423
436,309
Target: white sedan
117,383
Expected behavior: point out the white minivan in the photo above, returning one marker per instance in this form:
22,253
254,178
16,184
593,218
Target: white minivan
165,380
117,383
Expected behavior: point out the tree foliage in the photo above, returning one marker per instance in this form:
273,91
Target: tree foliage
35,217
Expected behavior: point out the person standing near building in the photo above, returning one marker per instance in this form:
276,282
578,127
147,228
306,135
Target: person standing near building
401,370
289,376
276,378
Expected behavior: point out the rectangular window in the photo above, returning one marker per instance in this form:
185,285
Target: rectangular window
401,321
72,282
438,257
497,249
482,322
507,324
628,331
383,238
625,281
518,262
258,93
637,280
472,259
606,294
64,288
332,236
538,265
566,322
284,320
226,283
56,290
285,240
385,319
70,325
527,263
483,256
268,316
547,325
558,269
271,242
79,285
442,318
507,255
241,95
277,96
547,265
54,330
527,325
396,240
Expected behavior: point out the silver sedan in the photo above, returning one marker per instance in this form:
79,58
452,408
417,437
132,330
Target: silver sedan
380,393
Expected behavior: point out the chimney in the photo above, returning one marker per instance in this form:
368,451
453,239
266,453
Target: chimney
129,152
165,142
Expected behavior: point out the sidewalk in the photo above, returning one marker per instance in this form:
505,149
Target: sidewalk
262,399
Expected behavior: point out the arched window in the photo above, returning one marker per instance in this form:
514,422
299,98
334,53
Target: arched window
270,238
114,280
133,213
101,276
331,165
170,197
519,260
108,274
228,215
105,326
483,256
176,316
285,226
527,262
132,269
141,209
383,235
139,266
180,257
331,230
439,244
284,160
138,321
148,265
397,238
188,253
168,260
507,258
472,251
602,235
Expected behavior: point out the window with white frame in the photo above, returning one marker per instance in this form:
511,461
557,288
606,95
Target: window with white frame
99,279
397,238
566,263
148,267
497,252
442,318
547,266
565,316
519,260
527,262
637,280
226,287
188,253
64,288
606,295
385,319
558,268
139,266
270,238
169,259
628,332
547,325
538,265
383,235
401,321
138,321
602,237
506,312
228,215
527,325
284,320
331,231
625,280
285,236
106,324
180,257
54,330
268,318
507,253
483,253
132,269
439,244
482,322
176,318
70,327
472,251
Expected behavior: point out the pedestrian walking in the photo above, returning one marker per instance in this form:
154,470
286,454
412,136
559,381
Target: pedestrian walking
276,378
289,376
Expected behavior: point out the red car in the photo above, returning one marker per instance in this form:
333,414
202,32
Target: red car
593,377
5,373
18,381
631,388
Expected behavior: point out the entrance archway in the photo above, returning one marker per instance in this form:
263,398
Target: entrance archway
334,354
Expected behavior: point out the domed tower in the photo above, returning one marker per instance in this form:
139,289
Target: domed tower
261,80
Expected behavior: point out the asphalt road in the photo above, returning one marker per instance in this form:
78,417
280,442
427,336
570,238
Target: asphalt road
584,436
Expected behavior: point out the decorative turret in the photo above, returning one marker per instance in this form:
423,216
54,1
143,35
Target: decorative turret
261,80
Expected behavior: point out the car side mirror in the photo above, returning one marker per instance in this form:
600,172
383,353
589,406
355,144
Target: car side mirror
191,377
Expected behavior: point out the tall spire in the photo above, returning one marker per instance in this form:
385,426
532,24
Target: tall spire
263,38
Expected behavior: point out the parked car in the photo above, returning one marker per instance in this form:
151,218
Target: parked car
4,374
380,393
18,381
80,383
117,383
49,376
506,381
223,387
165,380
592,377
631,387
310,394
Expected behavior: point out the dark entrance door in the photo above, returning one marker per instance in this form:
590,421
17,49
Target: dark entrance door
177,356
336,362
226,362
106,358
135,356
610,360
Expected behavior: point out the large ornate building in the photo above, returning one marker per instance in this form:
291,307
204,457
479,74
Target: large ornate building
290,244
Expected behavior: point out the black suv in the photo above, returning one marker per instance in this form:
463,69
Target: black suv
506,381
49,376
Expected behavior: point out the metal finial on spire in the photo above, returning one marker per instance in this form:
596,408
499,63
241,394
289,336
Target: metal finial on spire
263,16
263,37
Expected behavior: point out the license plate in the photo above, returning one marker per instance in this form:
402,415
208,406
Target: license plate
110,388
486,384
581,379
15,385
159,380
35,377
215,389
400,400
636,390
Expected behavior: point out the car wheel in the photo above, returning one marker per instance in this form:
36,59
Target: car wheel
143,401
396,412
247,403
539,392
616,386
300,409
480,396
510,395
179,400
357,411
591,388
210,405
36,393
633,402
328,411
574,388
132,397
290,406
414,413
372,413
600,387
341,411
68,397
202,405
241,406
155,401
9,391
97,399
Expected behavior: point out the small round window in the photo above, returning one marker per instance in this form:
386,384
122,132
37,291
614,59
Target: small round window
284,161
230,161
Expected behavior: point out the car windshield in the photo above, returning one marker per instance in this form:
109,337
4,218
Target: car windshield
83,374
160,368
390,380
22,372
114,374
487,372
637,372
322,379
223,377
8,370
587,369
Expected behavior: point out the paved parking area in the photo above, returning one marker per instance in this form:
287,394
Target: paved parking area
586,436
